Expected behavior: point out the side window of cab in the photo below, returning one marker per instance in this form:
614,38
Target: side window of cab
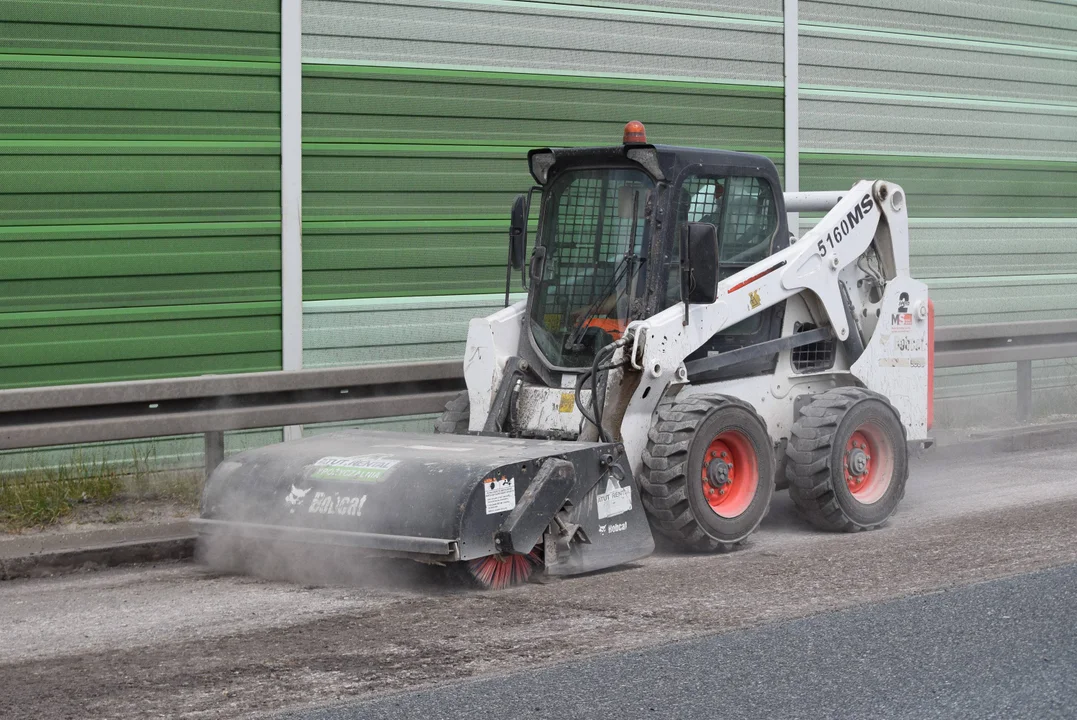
748,224
744,212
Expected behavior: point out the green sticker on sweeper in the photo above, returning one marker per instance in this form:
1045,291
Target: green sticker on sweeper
359,469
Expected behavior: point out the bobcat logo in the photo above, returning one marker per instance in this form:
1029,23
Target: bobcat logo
602,529
296,496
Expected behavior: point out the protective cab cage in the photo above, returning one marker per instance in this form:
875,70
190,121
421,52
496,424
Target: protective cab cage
726,355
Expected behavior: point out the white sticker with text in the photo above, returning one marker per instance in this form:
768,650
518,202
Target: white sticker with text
615,501
500,494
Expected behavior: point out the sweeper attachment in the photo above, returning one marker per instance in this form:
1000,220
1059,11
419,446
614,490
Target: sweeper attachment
502,506
678,358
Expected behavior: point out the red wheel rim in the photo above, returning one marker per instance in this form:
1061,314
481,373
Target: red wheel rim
868,463
729,493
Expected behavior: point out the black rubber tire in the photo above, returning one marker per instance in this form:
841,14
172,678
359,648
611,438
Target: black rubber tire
455,418
815,455
676,444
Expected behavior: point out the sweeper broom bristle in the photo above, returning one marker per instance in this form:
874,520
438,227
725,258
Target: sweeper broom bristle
502,571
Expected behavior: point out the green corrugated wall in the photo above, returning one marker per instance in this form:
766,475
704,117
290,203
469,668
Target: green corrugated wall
409,173
956,187
417,116
139,189
139,160
972,107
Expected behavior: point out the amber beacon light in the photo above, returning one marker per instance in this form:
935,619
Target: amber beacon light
635,132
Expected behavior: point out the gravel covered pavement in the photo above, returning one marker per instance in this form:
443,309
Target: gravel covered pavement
178,640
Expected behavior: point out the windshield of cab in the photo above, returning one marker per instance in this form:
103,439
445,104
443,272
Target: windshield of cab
594,230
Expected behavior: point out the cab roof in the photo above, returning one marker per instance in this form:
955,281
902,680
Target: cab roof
661,162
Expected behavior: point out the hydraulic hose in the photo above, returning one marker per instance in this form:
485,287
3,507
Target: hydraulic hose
597,399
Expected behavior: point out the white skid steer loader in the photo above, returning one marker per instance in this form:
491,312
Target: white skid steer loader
678,356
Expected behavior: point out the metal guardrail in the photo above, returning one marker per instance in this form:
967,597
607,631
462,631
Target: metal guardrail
962,345
212,404
1017,342
67,414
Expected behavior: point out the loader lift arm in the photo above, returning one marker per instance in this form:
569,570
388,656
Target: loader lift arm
812,263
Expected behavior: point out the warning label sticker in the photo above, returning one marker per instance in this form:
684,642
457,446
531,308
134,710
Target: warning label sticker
568,402
615,501
360,469
500,494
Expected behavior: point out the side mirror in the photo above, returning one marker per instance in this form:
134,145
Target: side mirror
518,232
699,263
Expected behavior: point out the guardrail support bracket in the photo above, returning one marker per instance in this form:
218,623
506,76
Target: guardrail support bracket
1024,390
214,450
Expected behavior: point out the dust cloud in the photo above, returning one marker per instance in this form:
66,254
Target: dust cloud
324,565
309,563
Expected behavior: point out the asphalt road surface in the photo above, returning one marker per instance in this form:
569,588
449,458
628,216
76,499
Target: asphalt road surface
177,640
1000,649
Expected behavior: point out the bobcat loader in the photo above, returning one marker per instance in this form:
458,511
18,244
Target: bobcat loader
679,356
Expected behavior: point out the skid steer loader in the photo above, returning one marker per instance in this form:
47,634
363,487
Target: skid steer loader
679,355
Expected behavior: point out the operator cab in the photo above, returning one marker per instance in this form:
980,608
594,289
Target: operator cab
610,227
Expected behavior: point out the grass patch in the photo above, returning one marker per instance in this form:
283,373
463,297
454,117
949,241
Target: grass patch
144,481
182,487
44,495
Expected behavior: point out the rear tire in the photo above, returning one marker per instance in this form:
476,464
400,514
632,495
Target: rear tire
847,460
708,472
456,417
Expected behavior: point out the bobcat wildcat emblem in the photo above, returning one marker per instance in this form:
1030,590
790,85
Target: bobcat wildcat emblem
296,496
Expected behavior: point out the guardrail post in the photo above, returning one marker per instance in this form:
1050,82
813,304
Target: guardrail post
214,450
1024,390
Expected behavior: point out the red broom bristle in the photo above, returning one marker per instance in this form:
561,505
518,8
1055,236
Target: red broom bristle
502,571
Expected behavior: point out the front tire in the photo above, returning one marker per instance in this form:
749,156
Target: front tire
708,473
847,460
456,417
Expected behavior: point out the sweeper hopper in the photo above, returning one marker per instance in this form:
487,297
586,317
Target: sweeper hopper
502,506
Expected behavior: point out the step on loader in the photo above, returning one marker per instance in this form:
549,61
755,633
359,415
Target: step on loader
678,357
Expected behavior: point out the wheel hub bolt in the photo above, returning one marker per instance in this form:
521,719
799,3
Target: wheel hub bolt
718,474
857,461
